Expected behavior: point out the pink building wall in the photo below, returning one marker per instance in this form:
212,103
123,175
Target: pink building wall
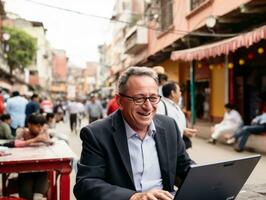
59,66
186,20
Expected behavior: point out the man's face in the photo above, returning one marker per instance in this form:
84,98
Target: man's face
139,117
93,99
176,94
35,129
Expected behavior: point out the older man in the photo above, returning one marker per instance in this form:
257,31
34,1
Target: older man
169,106
132,154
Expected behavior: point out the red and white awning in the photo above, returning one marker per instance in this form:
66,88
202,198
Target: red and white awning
222,47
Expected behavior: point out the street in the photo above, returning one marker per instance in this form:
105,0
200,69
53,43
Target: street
201,152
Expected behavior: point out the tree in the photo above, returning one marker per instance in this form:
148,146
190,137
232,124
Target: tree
22,49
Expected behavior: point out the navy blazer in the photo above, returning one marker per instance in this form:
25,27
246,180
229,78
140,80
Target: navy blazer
104,170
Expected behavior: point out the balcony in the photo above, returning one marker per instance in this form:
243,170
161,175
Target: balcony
136,40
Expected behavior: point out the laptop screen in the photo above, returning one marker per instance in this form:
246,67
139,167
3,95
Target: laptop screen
219,181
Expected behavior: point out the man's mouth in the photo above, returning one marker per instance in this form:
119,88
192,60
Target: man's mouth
144,114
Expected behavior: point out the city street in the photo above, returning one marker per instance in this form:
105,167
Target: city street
202,152
200,62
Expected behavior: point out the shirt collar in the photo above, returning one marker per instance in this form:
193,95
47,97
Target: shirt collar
130,132
170,101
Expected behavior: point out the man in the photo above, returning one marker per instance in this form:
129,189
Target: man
162,77
169,106
95,109
16,106
133,154
73,110
231,122
5,130
32,185
258,126
2,103
33,106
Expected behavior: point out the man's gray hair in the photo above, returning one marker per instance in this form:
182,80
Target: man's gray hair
134,71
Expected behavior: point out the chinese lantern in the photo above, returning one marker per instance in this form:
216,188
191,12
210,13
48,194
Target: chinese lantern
250,56
230,66
241,61
260,50
199,65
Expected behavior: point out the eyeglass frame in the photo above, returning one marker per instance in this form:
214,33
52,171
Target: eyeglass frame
143,98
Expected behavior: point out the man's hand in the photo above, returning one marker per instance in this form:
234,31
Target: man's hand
152,195
190,132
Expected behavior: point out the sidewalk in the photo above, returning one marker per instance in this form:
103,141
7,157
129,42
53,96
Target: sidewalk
204,128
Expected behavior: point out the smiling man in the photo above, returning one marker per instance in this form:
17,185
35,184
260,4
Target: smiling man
132,154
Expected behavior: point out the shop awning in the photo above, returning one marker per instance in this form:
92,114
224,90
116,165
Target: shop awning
221,47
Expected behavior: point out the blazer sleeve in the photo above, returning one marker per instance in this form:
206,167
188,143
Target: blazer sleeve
91,181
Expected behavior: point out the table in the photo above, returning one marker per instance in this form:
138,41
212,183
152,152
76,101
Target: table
57,157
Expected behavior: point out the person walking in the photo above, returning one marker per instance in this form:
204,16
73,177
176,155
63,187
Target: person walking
73,109
16,106
94,109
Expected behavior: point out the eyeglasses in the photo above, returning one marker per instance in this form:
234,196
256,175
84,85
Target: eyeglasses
154,99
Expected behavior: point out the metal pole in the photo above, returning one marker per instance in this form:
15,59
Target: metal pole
192,92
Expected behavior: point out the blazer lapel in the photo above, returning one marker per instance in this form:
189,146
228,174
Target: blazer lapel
120,139
162,150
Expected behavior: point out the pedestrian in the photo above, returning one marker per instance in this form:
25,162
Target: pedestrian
73,109
16,106
112,106
169,107
59,111
162,77
232,121
5,129
257,127
94,109
132,154
33,106
2,103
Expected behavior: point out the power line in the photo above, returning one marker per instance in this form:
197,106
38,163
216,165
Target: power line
175,31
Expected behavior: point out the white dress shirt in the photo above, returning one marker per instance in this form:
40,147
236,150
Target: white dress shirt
173,111
144,159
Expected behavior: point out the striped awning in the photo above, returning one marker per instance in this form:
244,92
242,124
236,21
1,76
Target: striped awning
221,47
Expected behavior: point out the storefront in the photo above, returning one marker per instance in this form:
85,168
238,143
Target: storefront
231,70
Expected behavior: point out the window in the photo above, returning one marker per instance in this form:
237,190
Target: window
195,3
166,15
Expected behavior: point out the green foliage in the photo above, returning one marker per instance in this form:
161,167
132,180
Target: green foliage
22,48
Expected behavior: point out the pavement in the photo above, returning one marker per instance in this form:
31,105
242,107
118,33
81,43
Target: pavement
201,152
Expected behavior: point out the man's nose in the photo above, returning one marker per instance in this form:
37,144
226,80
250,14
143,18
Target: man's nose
147,103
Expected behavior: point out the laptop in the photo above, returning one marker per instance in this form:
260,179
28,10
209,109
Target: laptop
217,181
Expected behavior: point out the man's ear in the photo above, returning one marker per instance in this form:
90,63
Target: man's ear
118,99
172,93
